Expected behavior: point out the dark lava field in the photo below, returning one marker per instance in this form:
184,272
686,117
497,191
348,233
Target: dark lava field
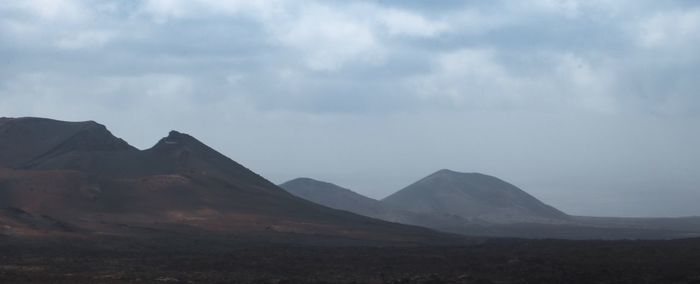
490,261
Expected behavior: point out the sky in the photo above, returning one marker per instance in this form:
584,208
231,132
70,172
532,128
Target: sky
591,106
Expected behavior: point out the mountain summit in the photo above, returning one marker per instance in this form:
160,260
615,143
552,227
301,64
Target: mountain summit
28,142
472,196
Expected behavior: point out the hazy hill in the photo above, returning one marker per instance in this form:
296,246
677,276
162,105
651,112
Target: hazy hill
334,196
480,205
473,196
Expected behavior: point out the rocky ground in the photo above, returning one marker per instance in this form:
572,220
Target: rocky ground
493,261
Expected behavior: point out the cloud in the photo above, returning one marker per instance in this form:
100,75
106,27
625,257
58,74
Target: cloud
671,29
48,10
400,22
482,79
163,10
505,87
325,36
86,39
469,78
328,39
590,86
567,8
465,56
114,92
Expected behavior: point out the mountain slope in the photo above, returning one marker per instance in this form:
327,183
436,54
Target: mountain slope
87,180
337,197
474,197
334,196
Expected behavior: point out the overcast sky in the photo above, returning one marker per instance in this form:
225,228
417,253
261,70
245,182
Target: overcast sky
591,106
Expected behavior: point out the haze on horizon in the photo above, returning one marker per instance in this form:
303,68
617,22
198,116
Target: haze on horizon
591,106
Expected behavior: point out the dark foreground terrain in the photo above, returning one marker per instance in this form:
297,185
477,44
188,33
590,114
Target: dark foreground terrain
491,261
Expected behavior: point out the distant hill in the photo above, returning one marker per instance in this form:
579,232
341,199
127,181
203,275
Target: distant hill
481,205
337,197
334,196
68,178
473,196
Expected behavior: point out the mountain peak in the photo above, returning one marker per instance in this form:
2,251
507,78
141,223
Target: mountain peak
28,141
176,138
311,185
185,153
306,181
176,135
450,176
471,195
448,172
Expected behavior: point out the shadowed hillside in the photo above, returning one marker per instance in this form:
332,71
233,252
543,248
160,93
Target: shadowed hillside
68,178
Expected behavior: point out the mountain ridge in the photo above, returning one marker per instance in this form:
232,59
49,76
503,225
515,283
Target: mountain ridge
27,141
180,185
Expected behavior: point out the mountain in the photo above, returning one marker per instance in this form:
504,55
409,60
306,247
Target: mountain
481,205
471,204
69,178
474,197
334,196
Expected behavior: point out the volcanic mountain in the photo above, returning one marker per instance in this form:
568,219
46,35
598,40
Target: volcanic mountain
480,205
334,196
473,196
77,178
446,200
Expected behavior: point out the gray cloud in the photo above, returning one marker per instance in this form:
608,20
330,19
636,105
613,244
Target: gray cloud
590,105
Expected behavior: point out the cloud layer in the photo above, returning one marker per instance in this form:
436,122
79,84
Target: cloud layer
573,100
